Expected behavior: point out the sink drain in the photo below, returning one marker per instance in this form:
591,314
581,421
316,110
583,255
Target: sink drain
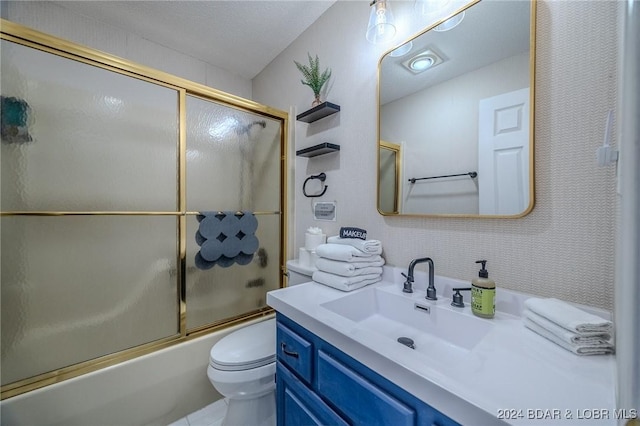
407,342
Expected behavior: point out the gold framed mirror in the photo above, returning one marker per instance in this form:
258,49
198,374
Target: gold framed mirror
463,123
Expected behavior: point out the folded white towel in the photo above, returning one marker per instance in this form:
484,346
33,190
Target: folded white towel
576,348
568,316
564,334
344,252
349,269
367,246
345,283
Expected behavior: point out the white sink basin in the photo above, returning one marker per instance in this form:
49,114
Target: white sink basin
435,327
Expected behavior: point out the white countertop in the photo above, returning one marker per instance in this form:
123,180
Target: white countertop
511,372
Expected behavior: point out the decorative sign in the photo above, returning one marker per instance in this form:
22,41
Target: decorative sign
324,210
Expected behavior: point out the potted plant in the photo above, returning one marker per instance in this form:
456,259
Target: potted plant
313,78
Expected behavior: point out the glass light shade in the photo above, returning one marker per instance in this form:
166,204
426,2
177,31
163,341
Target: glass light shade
430,7
401,50
381,26
450,23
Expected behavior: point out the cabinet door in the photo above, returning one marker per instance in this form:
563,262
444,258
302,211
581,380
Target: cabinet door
360,400
297,405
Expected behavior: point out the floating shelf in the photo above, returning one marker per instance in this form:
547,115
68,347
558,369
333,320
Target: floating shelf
323,148
318,112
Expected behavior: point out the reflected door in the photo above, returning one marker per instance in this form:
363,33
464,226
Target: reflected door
503,153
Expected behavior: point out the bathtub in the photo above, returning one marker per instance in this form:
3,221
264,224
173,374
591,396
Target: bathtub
154,389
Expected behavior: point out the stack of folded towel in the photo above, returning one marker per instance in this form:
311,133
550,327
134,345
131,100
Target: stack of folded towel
574,329
348,263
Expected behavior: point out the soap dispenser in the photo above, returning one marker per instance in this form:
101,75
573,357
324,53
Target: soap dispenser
483,294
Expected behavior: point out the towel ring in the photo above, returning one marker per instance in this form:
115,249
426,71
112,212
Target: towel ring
321,177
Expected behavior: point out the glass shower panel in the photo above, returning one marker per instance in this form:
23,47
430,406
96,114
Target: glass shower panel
83,138
219,293
233,164
233,158
79,287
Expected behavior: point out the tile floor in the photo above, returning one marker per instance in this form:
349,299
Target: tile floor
211,415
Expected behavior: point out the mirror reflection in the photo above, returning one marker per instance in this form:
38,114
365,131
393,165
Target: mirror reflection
457,105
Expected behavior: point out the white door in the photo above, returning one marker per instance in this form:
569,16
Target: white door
503,153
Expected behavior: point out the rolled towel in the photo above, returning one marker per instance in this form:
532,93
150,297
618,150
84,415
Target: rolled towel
345,283
564,334
568,316
343,252
366,246
349,269
576,348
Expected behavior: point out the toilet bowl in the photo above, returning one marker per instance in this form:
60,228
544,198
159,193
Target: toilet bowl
242,368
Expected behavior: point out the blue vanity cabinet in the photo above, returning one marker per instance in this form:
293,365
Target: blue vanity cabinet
317,384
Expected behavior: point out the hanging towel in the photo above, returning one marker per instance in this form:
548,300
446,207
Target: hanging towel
345,253
576,348
345,283
349,269
366,246
564,334
226,238
568,316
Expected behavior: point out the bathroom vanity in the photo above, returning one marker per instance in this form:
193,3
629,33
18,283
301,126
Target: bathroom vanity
311,371
340,361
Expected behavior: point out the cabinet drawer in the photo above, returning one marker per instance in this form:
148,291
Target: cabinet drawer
295,352
361,401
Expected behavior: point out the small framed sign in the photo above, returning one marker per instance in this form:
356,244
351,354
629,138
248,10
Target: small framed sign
324,210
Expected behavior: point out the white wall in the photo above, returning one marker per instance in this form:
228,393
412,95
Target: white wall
564,247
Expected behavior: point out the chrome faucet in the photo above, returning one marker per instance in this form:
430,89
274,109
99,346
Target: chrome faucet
431,289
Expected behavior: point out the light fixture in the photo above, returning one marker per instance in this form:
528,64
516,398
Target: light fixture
450,23
381,26
423,61
430,7
401,50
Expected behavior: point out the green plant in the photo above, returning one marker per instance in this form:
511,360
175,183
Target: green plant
312,76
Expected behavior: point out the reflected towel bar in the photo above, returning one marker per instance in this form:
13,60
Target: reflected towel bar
472,175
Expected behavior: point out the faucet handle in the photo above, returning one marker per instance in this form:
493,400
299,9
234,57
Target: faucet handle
406,288
457,299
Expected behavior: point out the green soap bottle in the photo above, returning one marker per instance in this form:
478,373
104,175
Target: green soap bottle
483,294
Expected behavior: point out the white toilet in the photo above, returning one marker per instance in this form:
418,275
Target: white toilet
242,367
299,273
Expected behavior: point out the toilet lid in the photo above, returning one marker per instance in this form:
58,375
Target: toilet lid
250,347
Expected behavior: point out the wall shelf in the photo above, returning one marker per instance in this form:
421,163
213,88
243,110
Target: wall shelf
323,148
316,113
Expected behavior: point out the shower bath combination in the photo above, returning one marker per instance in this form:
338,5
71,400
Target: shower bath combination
108,199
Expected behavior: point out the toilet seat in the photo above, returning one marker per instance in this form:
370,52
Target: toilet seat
250,347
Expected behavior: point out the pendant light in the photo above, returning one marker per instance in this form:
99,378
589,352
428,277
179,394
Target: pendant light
381,26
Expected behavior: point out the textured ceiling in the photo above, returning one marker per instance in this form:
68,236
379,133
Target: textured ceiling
239,36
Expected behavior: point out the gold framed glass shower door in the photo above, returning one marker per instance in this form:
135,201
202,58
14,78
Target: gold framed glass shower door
96,228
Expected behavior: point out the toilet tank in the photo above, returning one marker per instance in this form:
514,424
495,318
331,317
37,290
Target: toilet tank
298,274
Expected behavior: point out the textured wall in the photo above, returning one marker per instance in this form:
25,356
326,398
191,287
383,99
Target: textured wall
565,247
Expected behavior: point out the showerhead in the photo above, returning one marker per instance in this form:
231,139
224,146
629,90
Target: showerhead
246,128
